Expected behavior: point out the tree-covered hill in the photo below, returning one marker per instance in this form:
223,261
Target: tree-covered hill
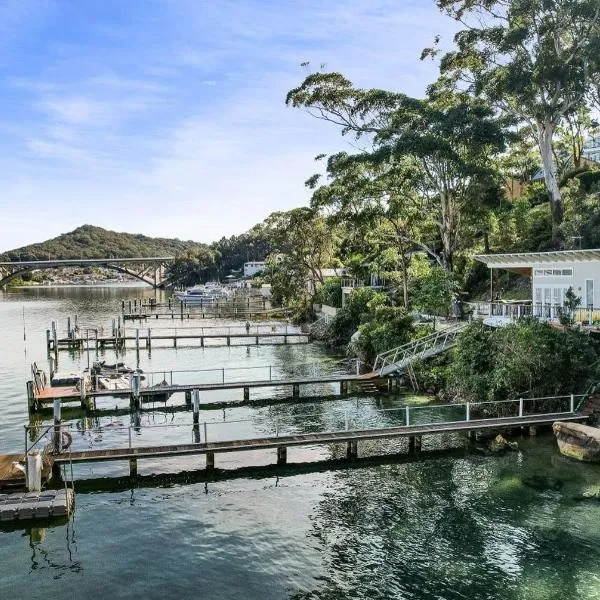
88,241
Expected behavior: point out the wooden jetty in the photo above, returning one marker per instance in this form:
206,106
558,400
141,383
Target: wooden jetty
38,397
281,443
119,337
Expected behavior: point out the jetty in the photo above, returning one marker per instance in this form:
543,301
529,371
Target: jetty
89,338
516,415
161,385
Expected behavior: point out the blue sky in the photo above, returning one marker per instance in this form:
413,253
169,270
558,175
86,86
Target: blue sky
167,117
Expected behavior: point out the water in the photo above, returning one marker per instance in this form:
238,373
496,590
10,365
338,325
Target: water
445,527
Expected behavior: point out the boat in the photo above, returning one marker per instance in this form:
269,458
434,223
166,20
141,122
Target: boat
203,294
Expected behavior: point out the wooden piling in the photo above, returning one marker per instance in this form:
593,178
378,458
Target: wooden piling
352,449
210,461
281,455
133,471
296,390
246,393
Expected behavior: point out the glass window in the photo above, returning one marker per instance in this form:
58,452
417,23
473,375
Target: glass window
547,271
567,272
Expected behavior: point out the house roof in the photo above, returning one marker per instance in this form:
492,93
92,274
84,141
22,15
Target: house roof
527,259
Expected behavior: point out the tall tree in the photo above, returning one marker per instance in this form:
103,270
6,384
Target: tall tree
536,60
303,244
449,137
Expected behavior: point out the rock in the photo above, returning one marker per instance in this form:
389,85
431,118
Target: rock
581,442
499,444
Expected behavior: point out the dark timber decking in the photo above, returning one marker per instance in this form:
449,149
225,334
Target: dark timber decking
71,394
334,437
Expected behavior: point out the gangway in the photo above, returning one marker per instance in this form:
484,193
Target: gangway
397,360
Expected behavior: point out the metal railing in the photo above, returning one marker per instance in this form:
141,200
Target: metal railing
340,421
398,358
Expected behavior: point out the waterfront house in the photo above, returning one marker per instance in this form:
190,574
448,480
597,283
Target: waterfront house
551,275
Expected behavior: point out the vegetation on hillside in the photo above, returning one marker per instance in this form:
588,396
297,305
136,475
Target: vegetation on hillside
88,241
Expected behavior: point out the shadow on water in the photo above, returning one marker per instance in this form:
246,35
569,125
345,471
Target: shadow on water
120,484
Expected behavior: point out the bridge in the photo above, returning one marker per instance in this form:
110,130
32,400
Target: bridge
150,270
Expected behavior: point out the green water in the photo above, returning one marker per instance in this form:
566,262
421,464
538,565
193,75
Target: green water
448,526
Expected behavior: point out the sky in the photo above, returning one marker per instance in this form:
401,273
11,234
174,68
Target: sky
168,117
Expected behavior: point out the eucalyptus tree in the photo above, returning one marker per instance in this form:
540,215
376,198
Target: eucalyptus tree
303,244
535,60
447,137
377,202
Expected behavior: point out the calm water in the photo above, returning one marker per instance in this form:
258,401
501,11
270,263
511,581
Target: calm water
446,527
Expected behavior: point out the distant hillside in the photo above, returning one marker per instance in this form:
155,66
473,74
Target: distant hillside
94,242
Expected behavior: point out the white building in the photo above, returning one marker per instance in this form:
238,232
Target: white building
254,267
591,149
552,274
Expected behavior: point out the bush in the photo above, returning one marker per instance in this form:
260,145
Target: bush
528,358
348,318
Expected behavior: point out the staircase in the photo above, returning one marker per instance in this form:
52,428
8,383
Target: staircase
399,359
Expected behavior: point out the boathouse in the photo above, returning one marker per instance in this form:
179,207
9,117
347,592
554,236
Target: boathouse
552,274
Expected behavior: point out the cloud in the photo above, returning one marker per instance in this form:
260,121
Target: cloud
175,112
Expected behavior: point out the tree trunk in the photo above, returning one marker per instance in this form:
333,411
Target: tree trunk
447,230
545,135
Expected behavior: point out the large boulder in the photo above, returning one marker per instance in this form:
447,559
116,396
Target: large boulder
578,441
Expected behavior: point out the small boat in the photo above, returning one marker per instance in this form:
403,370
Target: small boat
203,294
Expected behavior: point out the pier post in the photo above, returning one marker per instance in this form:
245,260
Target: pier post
407,416
418,443
56,414
34,471
196,400
30,396
411,444
296,390
133,471
137,340
343,388
246,393
520,407
281,455
532,430
135,389
228,340
210,461
188,398
352,449
149,344
48,340
69,327
181,306
572,404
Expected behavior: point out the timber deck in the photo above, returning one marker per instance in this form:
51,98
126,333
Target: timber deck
333,437
71,394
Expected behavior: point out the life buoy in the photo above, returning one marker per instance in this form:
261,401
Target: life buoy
65,440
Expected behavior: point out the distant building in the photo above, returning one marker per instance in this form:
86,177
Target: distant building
591,149
254,267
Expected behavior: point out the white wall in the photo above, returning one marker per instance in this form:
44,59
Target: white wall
551,288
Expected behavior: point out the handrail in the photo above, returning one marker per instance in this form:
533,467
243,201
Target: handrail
441,340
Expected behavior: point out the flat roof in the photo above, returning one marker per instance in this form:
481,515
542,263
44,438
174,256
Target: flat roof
527,259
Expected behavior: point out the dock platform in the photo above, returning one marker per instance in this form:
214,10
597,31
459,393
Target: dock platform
282,443
36,505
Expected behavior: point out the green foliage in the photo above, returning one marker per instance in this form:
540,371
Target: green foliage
434,291
348,318
193,266
529,358
383,328
331,293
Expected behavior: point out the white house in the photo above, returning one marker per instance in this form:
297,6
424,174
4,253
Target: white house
254,267
552,274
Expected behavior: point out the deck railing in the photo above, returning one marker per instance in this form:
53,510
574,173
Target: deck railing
284,424
406,354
